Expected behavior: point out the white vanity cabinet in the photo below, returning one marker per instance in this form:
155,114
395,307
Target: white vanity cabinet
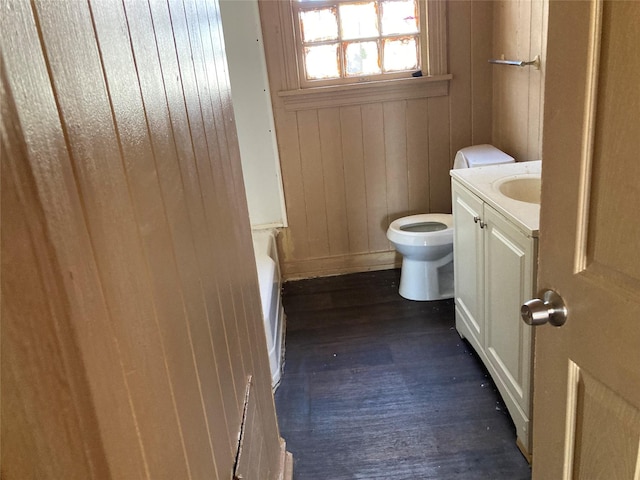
495,267
468,264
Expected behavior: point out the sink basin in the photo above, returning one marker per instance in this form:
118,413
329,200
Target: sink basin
524,188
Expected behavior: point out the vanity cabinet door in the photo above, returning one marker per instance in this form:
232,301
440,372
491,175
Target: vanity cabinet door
508,284
468,251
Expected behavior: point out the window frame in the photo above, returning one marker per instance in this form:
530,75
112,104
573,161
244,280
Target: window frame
434,81
297,5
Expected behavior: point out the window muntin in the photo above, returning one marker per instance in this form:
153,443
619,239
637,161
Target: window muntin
346,41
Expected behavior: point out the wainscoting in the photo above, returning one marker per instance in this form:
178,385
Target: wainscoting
350,169
357,169
379,387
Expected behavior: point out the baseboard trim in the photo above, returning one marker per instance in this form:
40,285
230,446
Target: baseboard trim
340,264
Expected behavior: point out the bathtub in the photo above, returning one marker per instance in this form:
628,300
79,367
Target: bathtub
264,245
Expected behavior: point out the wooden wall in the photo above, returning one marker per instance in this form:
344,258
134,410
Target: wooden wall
348,171
520,33
130,307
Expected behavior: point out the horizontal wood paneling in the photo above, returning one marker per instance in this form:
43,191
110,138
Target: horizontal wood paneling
129,292
388,158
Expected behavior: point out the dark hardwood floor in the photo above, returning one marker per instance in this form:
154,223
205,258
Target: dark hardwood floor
379,387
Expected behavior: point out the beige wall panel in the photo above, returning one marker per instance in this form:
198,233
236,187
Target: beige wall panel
440,158
220,313
395,141
120,73
240,284
460,53
481,73
418,156
207,330
519,34
375,174
240,267
240,280
152,321
536,80
500,39
313,182
42,154
354,178
334,180
293,240
32,348
212,105
102,184
179,214
511,109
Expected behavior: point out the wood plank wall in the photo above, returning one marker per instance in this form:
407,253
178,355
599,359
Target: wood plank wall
348,171
519,33
130,306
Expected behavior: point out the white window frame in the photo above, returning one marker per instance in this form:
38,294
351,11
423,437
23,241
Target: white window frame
303,94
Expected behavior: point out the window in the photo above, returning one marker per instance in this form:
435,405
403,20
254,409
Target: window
347,41
343,40
348,52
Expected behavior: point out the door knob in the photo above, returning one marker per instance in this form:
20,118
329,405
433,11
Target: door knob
550,309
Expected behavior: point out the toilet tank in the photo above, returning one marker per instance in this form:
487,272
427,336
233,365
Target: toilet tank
479,156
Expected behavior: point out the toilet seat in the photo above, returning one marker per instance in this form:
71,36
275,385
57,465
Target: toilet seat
400,230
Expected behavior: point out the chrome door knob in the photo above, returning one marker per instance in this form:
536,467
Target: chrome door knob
550,309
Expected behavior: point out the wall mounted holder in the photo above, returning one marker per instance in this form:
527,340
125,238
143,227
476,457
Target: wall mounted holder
517,63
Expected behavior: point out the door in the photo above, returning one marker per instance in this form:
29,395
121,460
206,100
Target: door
587,378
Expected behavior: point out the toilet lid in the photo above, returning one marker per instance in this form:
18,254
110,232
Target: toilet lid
422,227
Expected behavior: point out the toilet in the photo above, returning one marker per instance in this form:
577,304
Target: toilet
426,241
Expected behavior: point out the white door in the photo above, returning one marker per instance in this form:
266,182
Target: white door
586,417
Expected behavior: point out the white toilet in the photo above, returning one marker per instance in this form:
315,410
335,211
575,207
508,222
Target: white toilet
426,241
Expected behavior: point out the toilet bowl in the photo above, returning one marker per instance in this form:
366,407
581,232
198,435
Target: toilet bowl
426,241
426,245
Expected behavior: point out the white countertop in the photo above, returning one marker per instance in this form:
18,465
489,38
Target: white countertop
482,180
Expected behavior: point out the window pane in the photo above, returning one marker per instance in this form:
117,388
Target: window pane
400,54
358,20
322,61
362,58
399,17
319,24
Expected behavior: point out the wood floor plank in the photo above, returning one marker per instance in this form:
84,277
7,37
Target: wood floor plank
379,387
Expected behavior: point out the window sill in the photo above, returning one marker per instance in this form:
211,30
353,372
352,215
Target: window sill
369,92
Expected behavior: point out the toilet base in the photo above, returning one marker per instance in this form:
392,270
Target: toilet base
426,281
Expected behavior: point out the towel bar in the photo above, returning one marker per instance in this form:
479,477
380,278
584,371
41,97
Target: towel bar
517,63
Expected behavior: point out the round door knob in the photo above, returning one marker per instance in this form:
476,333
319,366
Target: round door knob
550,309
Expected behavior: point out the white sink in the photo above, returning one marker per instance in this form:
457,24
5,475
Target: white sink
524,188
518,201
